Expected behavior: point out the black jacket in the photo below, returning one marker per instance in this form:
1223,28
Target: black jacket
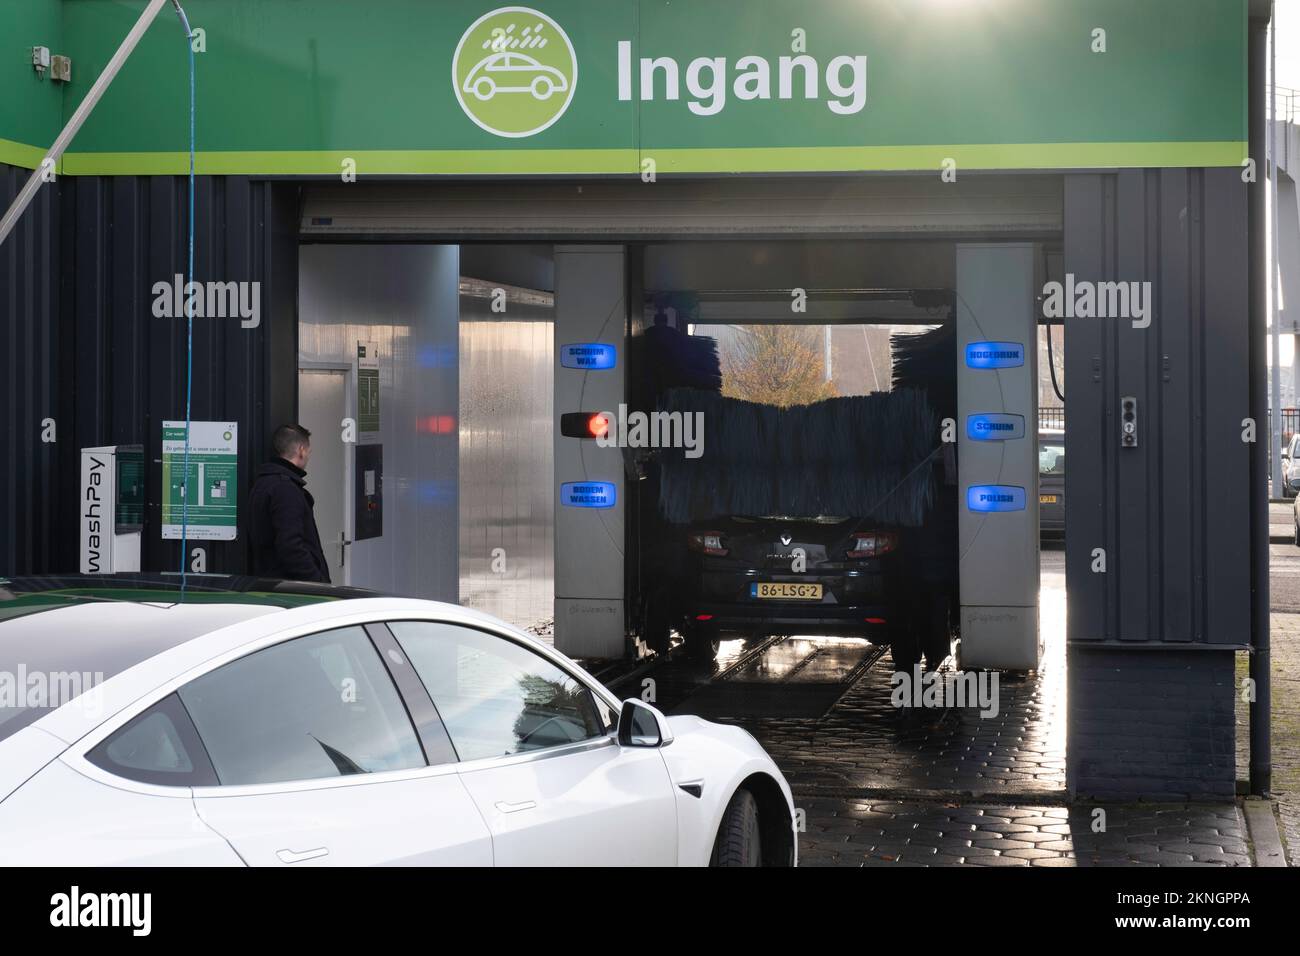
282,525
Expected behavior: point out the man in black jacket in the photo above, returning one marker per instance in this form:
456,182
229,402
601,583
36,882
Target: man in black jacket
282,524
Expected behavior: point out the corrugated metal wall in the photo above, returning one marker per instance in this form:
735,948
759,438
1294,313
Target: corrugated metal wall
1172,513
114,369
507,497
35,532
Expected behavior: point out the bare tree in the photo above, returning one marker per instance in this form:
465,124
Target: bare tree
777,365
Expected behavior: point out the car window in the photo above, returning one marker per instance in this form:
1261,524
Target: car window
1051,459
158,746
496,697
316,706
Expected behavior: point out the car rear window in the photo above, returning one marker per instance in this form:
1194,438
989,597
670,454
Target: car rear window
1051,458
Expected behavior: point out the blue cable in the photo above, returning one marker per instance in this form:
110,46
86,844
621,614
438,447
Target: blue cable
189,318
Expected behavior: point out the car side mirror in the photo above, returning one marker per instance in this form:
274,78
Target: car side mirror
640,725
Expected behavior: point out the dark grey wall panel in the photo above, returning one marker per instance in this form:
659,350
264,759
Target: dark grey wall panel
1171,514
76,297
32,523
130,233
1154,724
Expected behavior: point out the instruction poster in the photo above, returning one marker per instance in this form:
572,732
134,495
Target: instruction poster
367,389
211,481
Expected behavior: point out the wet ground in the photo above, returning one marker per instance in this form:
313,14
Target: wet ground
957,785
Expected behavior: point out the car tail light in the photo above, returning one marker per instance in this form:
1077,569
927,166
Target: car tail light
872,544
707,542
876,620
704,617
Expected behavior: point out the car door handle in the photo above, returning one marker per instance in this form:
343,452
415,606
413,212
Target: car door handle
299,856
505,807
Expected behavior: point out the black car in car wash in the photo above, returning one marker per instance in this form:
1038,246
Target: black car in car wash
828,575
829,518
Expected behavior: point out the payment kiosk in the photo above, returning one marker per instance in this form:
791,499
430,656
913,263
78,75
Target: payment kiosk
111,508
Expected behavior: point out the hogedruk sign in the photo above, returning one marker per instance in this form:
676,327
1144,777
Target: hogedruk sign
603,86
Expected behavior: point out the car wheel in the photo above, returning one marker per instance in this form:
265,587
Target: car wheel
904,650
701,641
484,88
938,634
739,841
1297,534
656,628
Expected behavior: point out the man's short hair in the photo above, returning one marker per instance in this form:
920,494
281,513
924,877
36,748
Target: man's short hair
288,438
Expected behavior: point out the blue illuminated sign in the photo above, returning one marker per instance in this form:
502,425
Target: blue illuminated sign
993,426
995,498
995,355
588,494
588,355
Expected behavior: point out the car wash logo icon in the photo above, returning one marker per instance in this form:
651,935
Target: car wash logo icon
514,72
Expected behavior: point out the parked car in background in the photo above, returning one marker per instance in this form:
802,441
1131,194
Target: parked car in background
1051,483
251,728
1291,467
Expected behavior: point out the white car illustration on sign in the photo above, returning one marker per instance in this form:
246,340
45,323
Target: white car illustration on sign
510,72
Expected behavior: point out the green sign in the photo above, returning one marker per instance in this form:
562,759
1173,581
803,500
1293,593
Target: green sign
367,388
211,482
466,87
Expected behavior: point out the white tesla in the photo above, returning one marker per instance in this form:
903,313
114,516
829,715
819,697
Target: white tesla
237,728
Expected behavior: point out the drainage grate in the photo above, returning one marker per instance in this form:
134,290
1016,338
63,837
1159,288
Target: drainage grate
799,677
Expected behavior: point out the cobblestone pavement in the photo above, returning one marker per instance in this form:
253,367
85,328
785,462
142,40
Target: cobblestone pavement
864,742
1284,594
890,833
952,787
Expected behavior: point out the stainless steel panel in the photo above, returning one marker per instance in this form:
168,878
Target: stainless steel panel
506,454
403,299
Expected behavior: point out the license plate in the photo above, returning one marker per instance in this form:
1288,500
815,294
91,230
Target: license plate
788,592
1047,499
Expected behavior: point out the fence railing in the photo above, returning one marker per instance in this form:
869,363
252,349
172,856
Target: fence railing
1288,104
1051,417
1290,424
